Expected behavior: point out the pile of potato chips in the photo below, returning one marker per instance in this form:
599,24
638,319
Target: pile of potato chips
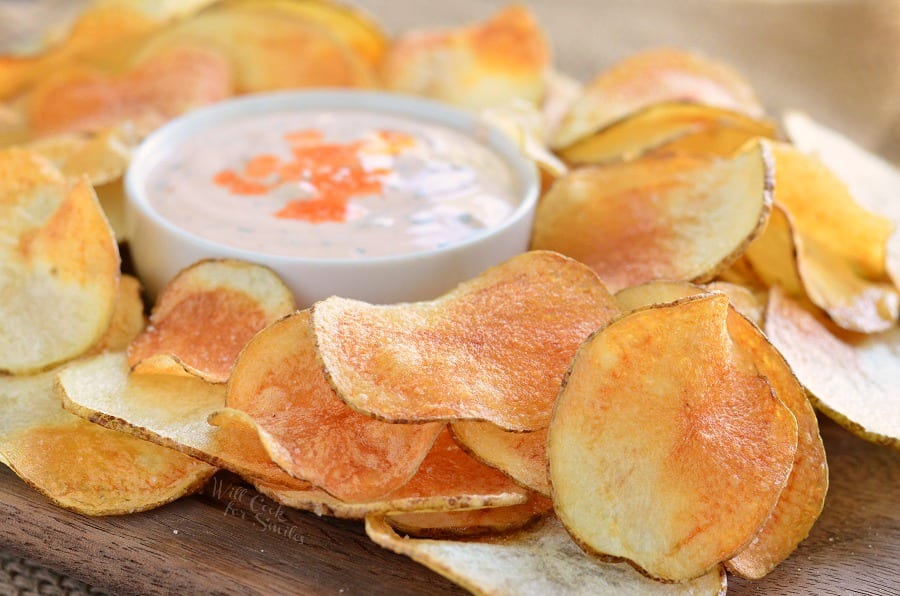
635,387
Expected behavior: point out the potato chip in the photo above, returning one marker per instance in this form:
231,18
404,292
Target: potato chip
167,83
267,48
60,265
840,246
207,313
526,126
522,456
102,157
168,410
773,254
81,466
540,559
667,447
652,77
637,221
96,30
495,348
852,378
872,181
669,128
474,522
663,292
357,30
447,480
313,435
801,500
127,318
479,66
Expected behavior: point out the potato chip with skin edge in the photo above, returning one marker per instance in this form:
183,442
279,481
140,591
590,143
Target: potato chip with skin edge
638,221
522,456
537,560
473,522
495,348
81,466
651,77
851,378
447,480
310,432
60,265
207,313
168,410
693,488
802,498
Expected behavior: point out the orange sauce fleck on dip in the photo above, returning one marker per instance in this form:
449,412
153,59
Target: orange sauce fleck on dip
333,172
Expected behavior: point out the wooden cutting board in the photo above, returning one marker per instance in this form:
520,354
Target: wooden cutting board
231,540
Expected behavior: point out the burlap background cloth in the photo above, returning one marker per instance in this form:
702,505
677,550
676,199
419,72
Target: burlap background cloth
839,60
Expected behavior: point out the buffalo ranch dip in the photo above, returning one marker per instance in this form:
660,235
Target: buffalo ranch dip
332,184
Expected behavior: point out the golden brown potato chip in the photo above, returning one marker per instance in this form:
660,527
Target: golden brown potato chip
495,348
522,456
474,522
168,410
60,265
540,559
82,466
667,447
349,24
744,300
102,158
663,292
96,30
314,435
872,181
447,480
165,84
478,66
851,377
773,254
208,312
267,48
669,128
840,247
127,318
652,77
801,500
662,217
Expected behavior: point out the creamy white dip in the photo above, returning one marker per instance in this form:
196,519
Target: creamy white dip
425,186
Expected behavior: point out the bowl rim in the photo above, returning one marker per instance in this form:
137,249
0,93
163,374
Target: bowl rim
156,145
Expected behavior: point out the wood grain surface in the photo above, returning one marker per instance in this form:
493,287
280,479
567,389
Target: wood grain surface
231,540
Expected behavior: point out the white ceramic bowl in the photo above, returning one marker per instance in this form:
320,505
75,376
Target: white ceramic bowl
160,249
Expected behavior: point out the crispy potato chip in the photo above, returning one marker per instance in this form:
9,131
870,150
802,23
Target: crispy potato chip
127,318
671,463
206,315
495,348
473,522
663,292
872,181
637,221
60,265
479,66
526,126
313,435
268,48
852,378
349,24
773,254
165,84
522,456
801,500
168,410
447,480
652,77
539,560
840,246
669,127
102,157
96,30
82,466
